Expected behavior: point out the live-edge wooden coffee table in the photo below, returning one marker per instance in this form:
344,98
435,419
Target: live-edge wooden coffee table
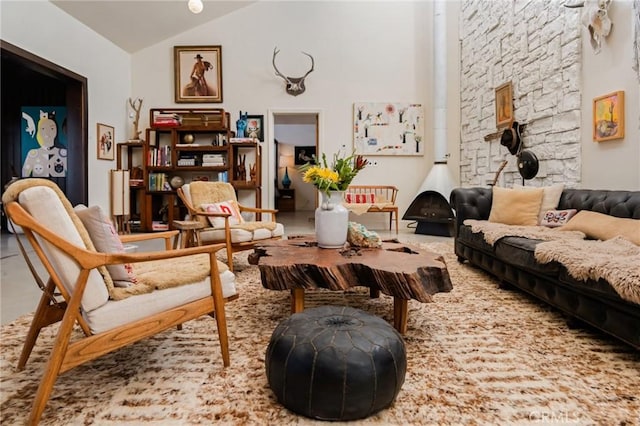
398,270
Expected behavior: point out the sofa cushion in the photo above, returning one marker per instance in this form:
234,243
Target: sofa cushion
555,218
550,198
604,227
516,207
519,251
106,240
45,207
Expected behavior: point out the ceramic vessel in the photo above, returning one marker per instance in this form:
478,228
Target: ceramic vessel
332,220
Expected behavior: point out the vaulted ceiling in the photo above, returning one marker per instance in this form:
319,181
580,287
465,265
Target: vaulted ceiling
136,24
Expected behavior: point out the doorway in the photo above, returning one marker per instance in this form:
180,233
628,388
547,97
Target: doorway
296,135
31,81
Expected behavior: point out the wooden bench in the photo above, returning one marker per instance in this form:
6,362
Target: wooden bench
384,199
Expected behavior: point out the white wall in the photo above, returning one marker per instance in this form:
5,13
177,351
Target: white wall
364,51
613,164
46,31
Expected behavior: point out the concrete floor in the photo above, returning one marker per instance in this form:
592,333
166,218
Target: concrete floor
19,293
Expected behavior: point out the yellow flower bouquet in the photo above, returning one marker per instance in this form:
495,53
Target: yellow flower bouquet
336,177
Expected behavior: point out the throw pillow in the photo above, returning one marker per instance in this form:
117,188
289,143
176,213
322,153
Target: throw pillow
515,207
106,240
555,218
550,198
360,198
604,227
229,207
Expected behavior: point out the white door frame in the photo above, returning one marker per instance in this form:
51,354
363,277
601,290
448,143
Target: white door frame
268,196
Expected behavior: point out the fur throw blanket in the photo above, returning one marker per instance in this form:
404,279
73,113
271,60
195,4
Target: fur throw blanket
494,231
161,274
616,260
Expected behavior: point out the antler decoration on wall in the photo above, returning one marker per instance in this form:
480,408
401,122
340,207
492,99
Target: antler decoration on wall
295,85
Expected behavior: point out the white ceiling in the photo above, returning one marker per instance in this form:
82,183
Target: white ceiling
136,24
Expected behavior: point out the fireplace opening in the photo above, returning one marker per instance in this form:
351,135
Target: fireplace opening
432,213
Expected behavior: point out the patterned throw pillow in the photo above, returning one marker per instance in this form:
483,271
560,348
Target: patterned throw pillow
230,207
555,218
360,198
106,240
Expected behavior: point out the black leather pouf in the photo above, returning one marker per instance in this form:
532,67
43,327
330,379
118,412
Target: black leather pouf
335,363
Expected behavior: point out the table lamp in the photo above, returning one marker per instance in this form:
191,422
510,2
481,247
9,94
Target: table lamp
286,161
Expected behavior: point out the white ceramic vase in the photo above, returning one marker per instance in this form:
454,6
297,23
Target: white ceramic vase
332,219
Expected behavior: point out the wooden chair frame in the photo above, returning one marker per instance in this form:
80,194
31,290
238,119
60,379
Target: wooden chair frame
230,246
67,354
389,192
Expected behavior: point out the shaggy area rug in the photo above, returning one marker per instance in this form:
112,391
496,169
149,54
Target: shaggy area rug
478,355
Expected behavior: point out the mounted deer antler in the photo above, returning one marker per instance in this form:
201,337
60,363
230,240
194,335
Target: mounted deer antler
295,85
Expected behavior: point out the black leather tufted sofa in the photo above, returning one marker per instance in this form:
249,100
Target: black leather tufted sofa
512,260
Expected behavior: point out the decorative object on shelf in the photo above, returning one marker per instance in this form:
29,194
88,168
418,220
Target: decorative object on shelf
253,173
504,105
241,125
136,105
188,138
331,217
286,161
241,169
106,142
608,117
176,182
387,128
295,85
199,81
255,127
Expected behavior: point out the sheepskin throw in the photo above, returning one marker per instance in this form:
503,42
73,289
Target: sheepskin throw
492,232
616,260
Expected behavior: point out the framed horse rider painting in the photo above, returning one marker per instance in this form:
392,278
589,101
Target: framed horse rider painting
198,74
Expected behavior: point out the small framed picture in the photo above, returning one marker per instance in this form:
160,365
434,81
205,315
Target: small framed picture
198,74
255,127
504,105
304,155
608,117
105,136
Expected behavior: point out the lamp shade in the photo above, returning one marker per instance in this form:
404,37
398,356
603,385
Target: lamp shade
285,161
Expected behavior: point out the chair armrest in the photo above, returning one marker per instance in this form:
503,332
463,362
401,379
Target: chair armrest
119,258
471,203
130,238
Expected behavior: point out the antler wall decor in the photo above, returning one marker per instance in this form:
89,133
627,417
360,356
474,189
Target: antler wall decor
295,85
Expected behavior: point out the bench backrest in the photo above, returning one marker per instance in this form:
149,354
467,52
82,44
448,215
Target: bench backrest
381,192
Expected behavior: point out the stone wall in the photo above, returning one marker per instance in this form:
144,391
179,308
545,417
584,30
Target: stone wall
536,45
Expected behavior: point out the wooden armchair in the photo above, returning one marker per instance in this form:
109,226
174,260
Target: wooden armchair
85,294
215,205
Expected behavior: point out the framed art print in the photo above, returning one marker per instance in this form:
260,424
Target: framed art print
198,74
106,141
608,117
504,105
255,127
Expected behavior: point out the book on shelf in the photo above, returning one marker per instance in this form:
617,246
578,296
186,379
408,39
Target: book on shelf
243,140
159,226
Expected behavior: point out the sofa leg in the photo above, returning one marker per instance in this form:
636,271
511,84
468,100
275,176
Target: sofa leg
461,259
504,285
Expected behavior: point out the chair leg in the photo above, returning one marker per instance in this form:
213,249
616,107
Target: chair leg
396,222
52,368
45,315
230,257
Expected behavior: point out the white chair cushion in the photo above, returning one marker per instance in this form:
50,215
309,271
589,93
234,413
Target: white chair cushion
116,313
279,231
46,208
217,236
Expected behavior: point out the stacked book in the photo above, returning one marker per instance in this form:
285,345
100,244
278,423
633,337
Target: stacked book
187,160
160,156
212,160
243,140
166,120
223,176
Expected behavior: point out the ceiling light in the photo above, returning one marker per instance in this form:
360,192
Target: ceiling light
195,6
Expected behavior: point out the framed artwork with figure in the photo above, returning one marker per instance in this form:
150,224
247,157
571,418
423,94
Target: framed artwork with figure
255,127
198,74
106,141
304,155
504,105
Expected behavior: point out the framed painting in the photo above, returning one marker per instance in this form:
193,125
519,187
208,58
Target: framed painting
304,155
106,141
504,105
44,147
608,117
198,74
388,128
255,127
